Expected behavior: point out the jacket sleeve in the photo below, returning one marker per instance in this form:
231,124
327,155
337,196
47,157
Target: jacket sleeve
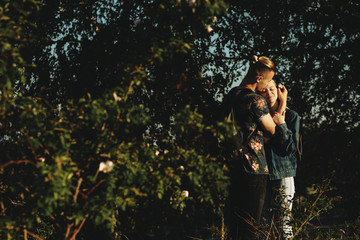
286,139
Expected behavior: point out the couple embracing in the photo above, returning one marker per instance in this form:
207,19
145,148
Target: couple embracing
267,166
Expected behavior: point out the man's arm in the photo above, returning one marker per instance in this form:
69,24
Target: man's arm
268,125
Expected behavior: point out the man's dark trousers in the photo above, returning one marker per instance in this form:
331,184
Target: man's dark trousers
246,197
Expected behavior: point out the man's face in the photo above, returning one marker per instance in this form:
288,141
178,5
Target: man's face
264,79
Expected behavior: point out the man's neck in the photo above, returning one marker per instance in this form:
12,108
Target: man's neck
247,82
252,87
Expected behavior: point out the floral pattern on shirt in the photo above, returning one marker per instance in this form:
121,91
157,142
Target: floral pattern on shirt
260,103
249,109
255,166
256,146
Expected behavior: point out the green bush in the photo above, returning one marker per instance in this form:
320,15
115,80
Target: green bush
94,161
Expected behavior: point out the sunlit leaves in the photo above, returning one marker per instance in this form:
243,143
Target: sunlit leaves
85,138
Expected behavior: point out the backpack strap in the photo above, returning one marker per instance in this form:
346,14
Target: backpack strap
239,96
231,118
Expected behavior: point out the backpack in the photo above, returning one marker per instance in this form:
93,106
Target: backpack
234,147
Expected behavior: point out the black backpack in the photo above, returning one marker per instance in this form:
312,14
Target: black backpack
233,148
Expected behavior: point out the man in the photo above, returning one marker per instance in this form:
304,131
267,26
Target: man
249,174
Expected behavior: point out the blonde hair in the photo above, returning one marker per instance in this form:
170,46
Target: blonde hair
260,64
273,81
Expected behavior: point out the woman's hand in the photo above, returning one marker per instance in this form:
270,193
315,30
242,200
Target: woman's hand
282,92
282,95
279,118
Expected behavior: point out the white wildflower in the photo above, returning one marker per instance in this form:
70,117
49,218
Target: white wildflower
106,167
116,97
157,153
185,193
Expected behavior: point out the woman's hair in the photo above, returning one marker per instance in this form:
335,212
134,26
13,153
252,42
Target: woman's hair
259,64
273,81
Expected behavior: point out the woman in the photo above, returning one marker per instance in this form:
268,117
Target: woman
281,157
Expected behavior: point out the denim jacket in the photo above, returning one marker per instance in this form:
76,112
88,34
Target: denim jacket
281,149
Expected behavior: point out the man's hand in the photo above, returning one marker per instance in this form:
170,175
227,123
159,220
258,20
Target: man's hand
279,118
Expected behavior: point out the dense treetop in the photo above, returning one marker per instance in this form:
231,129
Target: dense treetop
137,85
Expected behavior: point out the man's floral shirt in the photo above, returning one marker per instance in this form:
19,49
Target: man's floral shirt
249,109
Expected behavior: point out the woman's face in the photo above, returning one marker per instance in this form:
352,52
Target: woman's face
265,77
270,93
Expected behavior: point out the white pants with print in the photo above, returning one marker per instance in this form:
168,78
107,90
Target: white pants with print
288,190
